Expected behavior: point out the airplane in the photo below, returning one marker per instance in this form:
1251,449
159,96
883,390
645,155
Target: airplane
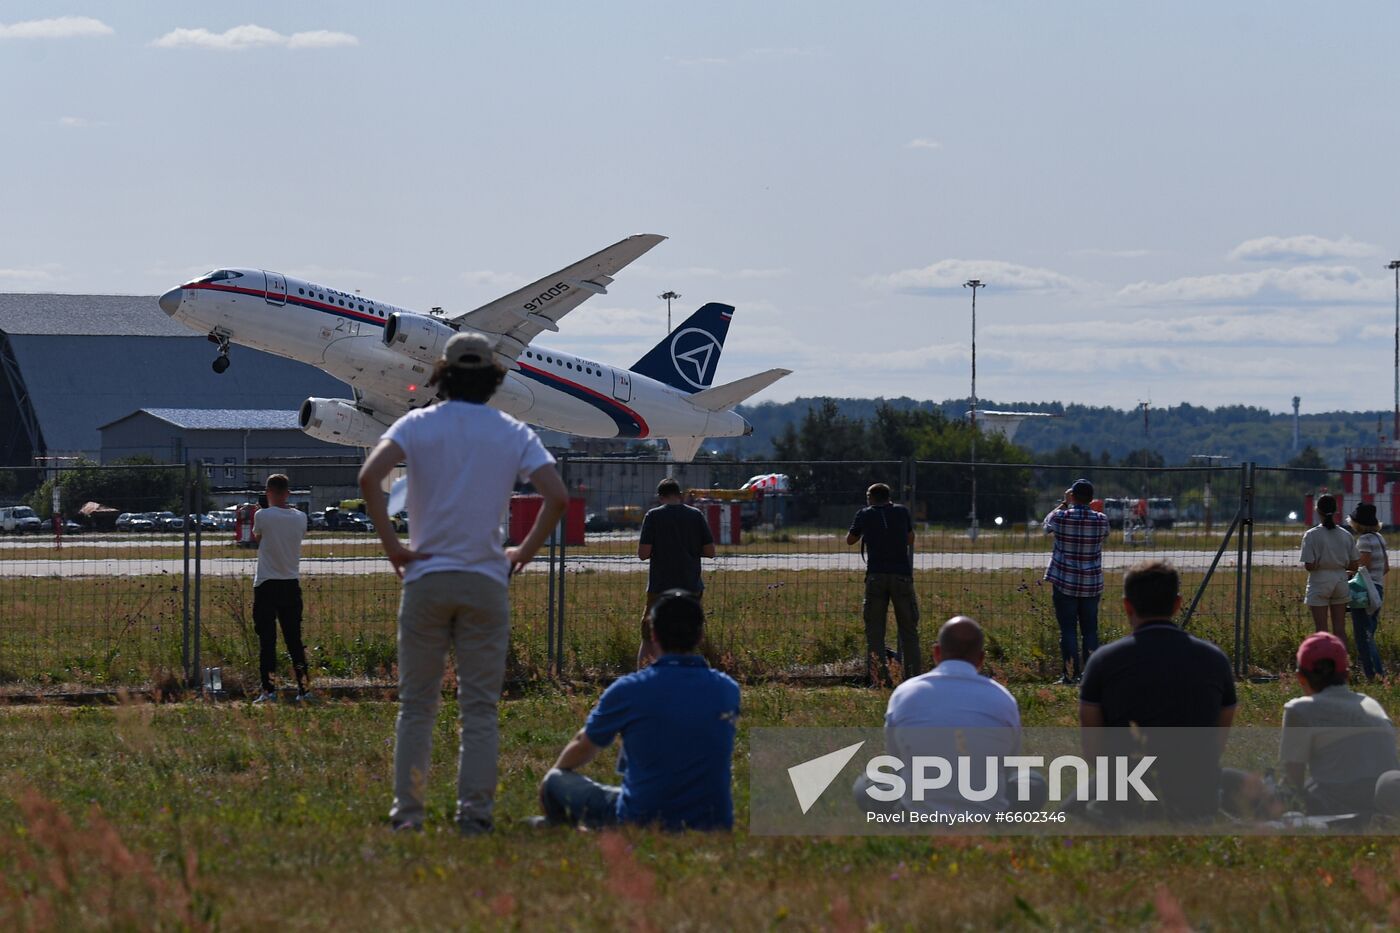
386,353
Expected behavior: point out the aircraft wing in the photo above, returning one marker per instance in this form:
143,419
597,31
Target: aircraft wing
379,407
517,318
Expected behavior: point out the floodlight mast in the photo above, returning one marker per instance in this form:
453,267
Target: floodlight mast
668,296
974,284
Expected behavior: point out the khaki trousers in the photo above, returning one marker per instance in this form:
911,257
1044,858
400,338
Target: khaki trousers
469,613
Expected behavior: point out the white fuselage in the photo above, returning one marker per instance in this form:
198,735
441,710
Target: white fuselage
342,334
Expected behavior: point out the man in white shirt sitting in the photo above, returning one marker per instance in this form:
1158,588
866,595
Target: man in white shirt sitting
954,711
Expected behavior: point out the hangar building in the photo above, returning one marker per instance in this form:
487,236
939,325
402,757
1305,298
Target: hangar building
70,364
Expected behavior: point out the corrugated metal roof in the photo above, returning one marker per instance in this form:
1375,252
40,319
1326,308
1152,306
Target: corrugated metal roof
77,383
126,315
221,419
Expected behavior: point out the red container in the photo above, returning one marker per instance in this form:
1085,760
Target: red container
525,509
724,518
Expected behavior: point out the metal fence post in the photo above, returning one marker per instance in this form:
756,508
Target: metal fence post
198,670
1239,574
552,644
561,530
185,614
1247,536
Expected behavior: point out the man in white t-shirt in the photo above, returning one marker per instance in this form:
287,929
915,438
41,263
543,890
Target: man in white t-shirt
464,460
278,530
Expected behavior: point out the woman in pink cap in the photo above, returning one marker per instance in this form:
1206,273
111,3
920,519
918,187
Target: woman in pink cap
1336,742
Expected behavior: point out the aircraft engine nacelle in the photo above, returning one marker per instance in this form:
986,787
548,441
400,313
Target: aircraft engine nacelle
338,421
417,337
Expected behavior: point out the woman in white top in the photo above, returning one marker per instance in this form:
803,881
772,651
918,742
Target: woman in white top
1375,562
1329,553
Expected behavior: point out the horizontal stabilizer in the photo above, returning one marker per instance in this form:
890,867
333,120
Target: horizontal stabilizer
683,449
721,398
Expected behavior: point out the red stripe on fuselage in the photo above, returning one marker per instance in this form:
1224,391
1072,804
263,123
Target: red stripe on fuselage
300,300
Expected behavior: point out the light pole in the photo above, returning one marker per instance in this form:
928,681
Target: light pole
669,296
974,284
1394,266
1210,460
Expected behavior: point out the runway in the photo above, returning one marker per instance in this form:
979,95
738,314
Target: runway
962,561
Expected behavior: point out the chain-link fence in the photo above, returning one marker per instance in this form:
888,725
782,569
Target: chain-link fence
150,579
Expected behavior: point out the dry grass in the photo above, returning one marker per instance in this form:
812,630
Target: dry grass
190,816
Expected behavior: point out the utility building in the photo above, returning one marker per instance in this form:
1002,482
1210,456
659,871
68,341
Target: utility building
70,364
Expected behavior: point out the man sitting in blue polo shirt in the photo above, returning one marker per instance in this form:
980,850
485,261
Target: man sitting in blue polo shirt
677,720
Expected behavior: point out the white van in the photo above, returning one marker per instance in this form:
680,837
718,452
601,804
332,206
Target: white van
19,519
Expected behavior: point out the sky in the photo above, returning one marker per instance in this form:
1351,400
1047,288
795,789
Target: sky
1169,203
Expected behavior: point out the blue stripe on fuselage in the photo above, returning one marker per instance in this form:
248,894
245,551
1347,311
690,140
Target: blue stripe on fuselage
629,423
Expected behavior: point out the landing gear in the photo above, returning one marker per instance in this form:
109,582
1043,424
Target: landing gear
221,362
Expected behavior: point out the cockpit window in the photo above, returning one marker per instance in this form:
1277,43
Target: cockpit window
218,276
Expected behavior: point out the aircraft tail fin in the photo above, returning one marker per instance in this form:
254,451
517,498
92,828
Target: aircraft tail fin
720,398
689,355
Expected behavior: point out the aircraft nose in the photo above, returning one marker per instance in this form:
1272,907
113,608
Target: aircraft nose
170,301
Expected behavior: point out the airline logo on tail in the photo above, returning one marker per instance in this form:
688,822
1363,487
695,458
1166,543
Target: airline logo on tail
688,357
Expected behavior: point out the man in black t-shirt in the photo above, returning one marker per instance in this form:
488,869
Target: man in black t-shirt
674,538
1160,678
886,532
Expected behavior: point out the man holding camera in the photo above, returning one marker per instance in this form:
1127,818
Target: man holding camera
1076,574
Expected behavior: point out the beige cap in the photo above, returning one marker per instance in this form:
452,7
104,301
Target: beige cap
469,351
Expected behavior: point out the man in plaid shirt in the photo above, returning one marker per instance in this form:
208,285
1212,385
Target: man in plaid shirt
1076,574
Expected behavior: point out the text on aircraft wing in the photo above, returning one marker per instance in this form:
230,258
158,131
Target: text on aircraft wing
520,316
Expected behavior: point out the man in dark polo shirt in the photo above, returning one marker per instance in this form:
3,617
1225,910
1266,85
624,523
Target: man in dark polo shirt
677,719
886,533
1160,678
674,538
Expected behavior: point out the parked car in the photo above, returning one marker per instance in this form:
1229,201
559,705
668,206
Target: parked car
141,521
19,519
71,527
316,521
596,521
224,519
168,521
355,521
400,520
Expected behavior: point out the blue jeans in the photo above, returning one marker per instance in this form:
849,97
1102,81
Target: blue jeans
1363,627
575,800
1076,614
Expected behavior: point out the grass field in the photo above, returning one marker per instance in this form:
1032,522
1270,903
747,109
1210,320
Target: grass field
126,630
224,816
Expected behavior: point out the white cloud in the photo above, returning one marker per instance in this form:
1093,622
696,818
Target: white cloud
923,143
1301,285
62,27
1304,248
950,274
251,36
77,123
33,274
1300,327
